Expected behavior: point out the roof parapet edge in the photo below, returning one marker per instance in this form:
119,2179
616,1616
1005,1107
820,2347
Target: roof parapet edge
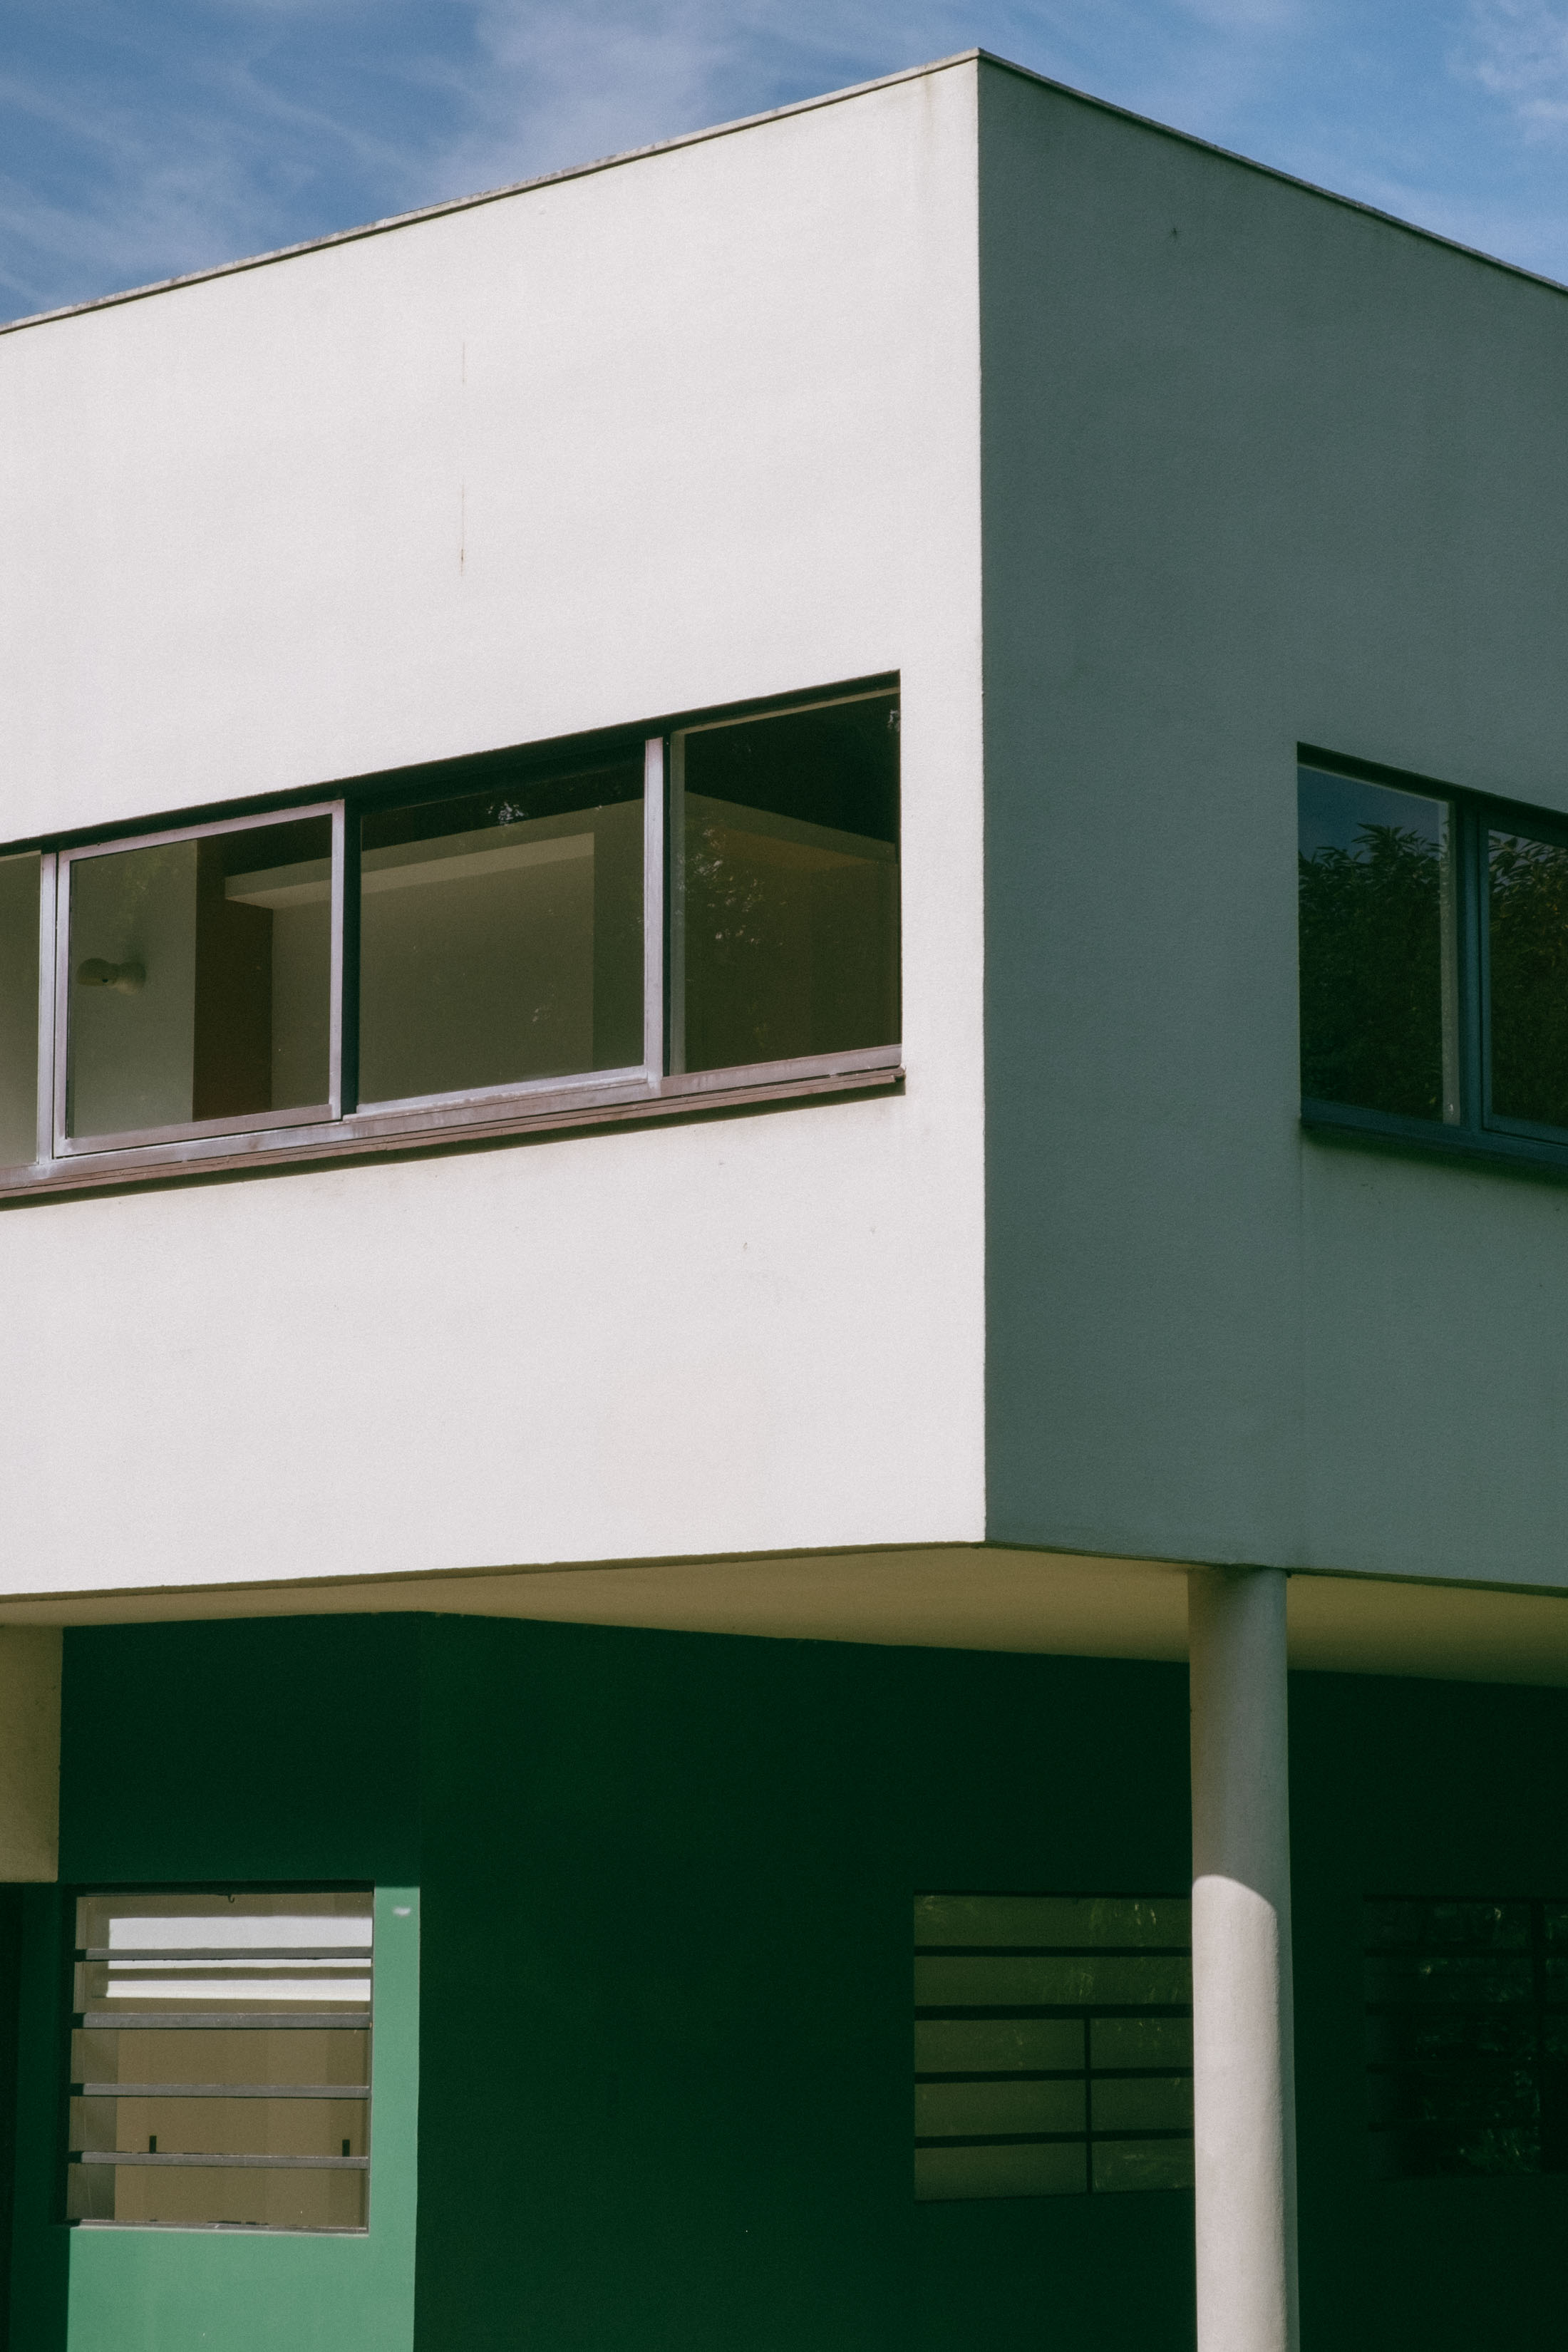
753,121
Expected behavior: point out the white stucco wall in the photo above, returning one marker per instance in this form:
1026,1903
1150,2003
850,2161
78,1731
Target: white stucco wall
697,428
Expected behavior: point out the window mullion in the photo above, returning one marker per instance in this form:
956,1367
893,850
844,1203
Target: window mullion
45,1106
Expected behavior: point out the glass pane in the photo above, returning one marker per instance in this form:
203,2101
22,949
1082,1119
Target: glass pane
1424,1927
220,2060
1149,2102
1460,2073
962,2110
1085,1921
1049,2171
271,1952
156,2061
501,936
218,2127
1141,2042
967,2045
20,884
1379,1002
200,979
1143,2164
1527,907
191,2197
1050,1984
787,899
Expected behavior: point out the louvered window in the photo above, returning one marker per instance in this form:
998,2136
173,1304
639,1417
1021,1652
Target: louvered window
1466,2020
1053,2044
220,2061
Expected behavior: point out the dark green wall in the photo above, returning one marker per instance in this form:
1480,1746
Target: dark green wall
1422,1789
666,2076
665,2063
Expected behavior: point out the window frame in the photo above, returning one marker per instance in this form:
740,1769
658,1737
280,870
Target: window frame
1533,1954
70,2090
346,1126
1478,1133
1090,2009
98,1147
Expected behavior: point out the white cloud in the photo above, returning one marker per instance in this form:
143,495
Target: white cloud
568,82
1245,16
1518,50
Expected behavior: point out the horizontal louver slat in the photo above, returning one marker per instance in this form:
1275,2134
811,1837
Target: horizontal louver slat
220,2090
126,2159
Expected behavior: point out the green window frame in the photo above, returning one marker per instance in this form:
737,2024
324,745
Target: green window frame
1437,930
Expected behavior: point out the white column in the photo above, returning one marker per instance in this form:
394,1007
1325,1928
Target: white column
1243,2086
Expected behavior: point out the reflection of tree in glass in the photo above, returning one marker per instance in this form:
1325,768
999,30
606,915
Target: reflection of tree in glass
739,943
1371,981
1528,913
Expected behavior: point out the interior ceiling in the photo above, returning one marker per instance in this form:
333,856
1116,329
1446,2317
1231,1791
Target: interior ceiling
960,1597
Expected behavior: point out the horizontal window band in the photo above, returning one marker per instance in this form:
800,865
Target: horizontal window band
240,1956
220,2090
1049,2140
264,2020
224,2163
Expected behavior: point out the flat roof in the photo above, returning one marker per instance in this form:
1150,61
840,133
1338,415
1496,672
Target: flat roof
750,122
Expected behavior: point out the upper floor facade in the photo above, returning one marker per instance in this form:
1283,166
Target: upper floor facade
852,595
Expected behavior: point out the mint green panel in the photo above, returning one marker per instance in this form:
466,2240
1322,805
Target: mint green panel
231,2291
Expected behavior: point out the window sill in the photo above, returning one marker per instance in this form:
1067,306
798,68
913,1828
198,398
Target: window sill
1425,1140
580,1102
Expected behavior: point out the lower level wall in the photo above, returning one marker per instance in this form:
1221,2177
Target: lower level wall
1424,1789
664,2070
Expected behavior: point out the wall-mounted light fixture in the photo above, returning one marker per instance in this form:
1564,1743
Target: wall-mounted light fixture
126,977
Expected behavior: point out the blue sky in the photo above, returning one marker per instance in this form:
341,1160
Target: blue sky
141,137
